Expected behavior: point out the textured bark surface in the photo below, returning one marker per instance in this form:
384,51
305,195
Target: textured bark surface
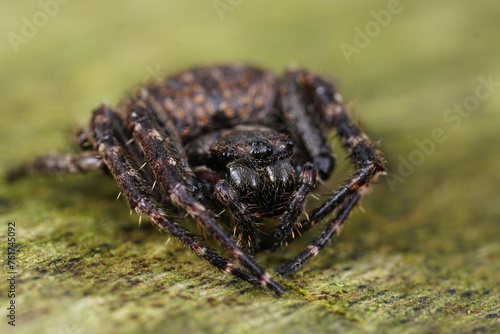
422,255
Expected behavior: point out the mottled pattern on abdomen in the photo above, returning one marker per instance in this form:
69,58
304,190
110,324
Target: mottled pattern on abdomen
206,99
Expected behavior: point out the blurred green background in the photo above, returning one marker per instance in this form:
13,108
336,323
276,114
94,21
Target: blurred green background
423,77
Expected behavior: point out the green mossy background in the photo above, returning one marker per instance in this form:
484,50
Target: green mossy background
423,255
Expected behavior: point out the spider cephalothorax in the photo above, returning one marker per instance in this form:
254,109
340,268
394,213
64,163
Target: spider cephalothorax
255,160
230,137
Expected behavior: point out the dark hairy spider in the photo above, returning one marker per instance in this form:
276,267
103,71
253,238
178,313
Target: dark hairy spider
233,138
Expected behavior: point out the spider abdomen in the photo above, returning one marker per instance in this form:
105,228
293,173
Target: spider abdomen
210,98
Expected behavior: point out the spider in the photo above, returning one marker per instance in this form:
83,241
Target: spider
233,138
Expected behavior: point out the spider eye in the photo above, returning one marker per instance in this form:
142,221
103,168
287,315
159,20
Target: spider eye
285,147
260,149
228,154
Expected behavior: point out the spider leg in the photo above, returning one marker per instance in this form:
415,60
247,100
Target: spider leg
178,184
140,197
368,162
59,164
285,230
332,230
303,124
244,221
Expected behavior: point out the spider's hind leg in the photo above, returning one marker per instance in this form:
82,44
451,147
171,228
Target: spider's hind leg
305,124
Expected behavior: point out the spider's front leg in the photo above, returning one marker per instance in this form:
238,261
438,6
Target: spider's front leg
323,106
310,135
288,220
177,182
58,164
332,230
245,224
106,127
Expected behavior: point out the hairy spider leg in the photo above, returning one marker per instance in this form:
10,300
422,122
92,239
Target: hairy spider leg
367,161
140,197
245,223
303,123
59,164
332,230
303,126
177,184
86,161
307,181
